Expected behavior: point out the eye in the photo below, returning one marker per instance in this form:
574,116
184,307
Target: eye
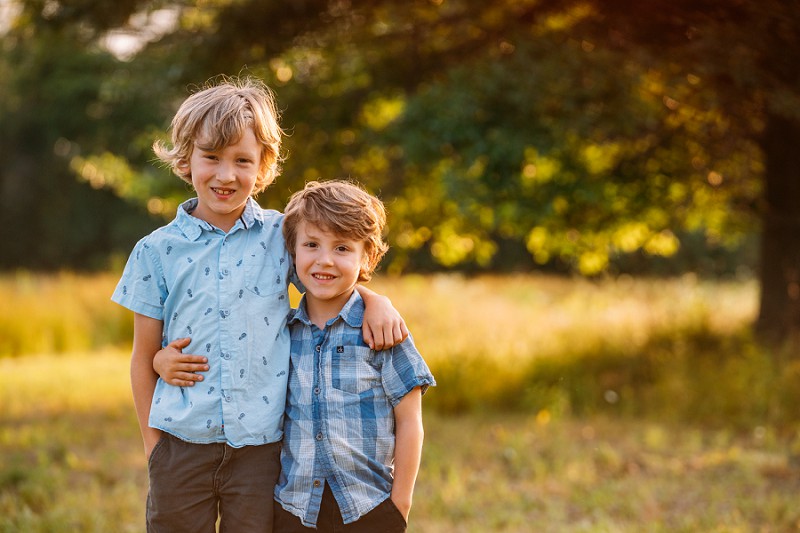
310,244
342,248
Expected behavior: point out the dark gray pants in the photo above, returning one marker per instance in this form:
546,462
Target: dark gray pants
191,485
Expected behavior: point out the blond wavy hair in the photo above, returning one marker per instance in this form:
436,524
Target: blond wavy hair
217,116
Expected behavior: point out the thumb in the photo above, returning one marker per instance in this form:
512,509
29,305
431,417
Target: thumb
180,344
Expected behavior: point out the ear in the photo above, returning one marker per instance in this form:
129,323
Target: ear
184,167
365,264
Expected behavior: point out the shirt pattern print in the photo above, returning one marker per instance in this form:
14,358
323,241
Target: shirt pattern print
228,292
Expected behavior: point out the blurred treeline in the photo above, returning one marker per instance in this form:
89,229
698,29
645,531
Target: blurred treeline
593,136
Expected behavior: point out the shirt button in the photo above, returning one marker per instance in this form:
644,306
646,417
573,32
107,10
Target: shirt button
317,483
319,436
316,390
228,398
318,348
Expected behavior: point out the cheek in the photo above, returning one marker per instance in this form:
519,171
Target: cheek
299,260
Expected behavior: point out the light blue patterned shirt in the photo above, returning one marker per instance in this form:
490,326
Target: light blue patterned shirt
228,292
339,426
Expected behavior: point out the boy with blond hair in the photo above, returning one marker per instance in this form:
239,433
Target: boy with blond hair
215,280
353,424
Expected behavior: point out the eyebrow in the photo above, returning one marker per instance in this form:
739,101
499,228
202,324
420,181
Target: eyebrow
315,233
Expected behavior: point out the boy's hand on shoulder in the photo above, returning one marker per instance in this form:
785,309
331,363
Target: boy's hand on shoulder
177,368
383,326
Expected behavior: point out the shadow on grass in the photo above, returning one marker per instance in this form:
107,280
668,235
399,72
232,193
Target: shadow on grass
690,376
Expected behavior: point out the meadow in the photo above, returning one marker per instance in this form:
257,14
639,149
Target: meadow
562,405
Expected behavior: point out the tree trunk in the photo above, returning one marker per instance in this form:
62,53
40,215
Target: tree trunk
779,314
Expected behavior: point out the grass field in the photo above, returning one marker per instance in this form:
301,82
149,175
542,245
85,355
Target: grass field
562,405
71,460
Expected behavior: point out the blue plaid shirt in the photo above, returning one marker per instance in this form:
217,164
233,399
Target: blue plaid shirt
339,424
228,292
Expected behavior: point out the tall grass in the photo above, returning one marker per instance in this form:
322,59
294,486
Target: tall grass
676,348
487,317
562,405
59,313
680,349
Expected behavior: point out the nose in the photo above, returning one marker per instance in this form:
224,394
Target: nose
324,257
226,173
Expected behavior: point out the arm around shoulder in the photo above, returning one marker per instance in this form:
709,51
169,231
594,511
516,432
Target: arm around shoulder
383,325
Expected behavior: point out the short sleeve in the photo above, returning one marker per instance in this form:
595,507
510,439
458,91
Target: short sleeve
142,288
402,370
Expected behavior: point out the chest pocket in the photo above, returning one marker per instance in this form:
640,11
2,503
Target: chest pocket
354,369
265,274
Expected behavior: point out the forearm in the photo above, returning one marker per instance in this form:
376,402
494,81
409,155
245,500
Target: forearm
409,435
146,342
143,384
366,294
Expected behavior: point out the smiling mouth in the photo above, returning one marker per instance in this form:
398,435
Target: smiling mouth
324,277
223,192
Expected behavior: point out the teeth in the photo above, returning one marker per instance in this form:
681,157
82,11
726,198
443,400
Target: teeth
323,276
224,192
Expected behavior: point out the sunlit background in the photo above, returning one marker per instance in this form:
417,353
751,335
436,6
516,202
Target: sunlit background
593,219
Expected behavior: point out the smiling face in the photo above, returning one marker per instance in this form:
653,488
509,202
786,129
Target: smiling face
224,179
328,264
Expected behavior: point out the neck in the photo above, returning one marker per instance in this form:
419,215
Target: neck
321,310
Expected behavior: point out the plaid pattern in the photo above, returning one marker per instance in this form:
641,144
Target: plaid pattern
228,292
339,423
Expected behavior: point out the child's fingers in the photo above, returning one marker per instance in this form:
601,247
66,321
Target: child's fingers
379,340
189,376
396,335
404,333
368,338
191,367
180,344
191,359
181,383
185,379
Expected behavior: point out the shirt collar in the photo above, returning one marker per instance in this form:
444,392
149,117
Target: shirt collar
192,227
352,312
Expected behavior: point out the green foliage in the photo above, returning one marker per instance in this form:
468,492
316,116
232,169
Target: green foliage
486,127
588,137
64,100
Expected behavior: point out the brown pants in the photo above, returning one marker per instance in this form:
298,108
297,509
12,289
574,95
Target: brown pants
385,518
191,485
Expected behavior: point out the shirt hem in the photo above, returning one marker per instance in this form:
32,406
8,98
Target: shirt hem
232,444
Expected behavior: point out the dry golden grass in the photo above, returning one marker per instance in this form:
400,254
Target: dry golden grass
526,316
71,460
562,405
59,313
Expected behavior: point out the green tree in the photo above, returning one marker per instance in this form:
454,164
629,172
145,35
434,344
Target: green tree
590,129
64,97
582,131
